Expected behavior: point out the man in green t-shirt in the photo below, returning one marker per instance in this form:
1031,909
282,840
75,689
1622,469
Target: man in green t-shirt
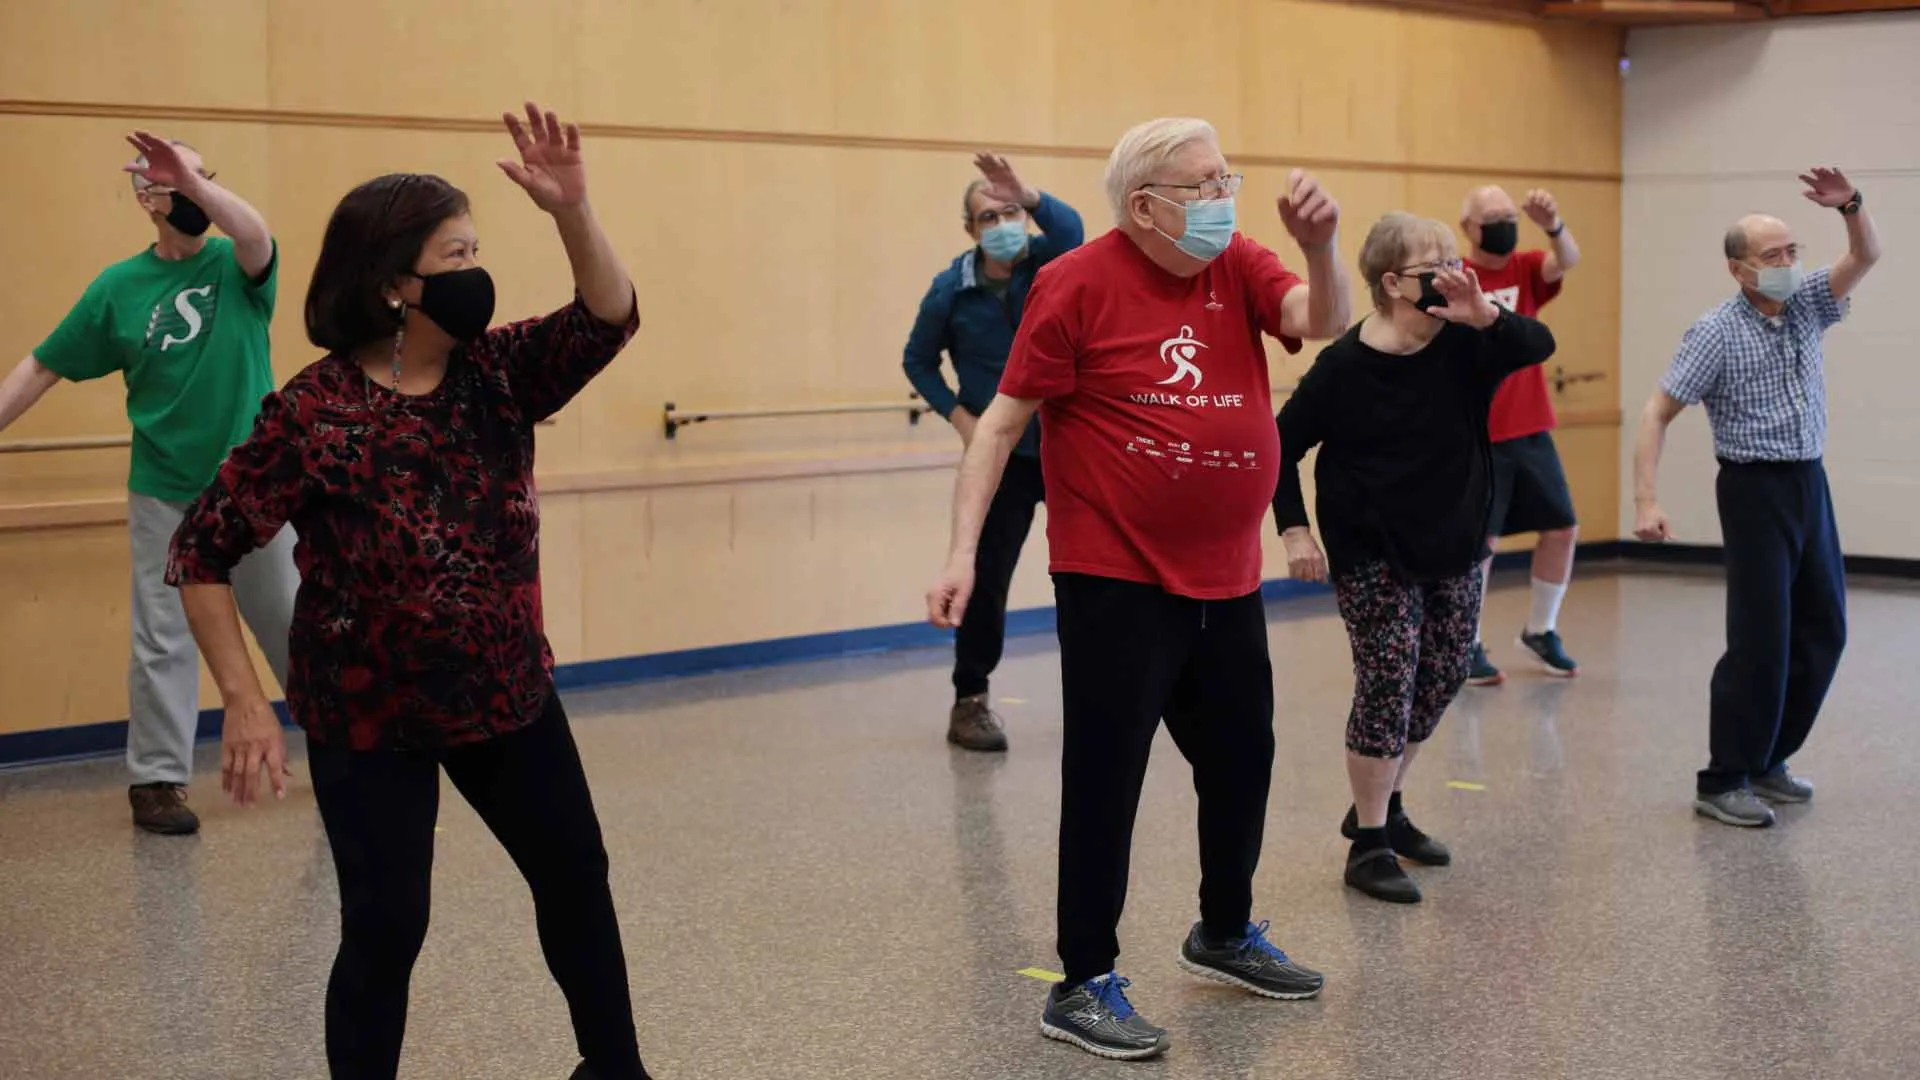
185,324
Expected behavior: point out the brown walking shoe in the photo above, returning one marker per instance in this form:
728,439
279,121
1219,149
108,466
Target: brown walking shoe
973,725
162,808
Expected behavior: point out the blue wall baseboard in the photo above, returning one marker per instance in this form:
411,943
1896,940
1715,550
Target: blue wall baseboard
94,740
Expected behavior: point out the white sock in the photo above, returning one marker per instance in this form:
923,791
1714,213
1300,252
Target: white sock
1546,606
1486,582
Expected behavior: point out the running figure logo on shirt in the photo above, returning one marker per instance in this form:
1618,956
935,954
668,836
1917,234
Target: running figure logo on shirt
1180,351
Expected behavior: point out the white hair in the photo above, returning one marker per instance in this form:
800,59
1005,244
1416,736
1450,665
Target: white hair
1144,150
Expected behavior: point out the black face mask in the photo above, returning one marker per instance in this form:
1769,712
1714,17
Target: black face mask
1499,237
458,301
187,216
1430,296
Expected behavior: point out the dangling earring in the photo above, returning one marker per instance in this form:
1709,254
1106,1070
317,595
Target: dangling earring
399,338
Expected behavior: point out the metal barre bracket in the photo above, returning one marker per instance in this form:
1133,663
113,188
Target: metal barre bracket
1561,379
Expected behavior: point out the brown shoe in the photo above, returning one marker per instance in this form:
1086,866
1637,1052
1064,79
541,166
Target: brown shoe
162,808
974,726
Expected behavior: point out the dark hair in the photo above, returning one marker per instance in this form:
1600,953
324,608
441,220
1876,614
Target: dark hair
373,238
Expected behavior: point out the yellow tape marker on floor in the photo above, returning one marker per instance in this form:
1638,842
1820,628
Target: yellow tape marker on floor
1042,974
1013,701
1466,785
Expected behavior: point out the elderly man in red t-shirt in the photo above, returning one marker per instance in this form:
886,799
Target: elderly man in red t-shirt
1530,493
1142,353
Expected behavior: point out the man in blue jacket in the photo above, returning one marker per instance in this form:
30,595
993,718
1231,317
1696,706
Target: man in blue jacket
971,312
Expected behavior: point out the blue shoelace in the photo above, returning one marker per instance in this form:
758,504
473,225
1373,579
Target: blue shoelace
1256,941
1111,992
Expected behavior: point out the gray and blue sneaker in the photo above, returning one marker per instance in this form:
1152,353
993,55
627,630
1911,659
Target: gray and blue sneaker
1250,962
1547,649
1096,1017
1781,786
1737,807
1481,671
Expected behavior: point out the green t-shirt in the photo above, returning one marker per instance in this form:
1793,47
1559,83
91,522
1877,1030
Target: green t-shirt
190,336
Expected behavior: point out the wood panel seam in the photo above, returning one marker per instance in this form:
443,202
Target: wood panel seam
815,140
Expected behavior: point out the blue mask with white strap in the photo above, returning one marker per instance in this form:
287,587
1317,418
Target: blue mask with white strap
1209,228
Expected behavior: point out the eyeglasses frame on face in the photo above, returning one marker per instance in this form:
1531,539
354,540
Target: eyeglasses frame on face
987,219
148,187
1790,253
1225,186
1436,267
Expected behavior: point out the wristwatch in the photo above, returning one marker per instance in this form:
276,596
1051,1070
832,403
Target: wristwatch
1852,206
1557,229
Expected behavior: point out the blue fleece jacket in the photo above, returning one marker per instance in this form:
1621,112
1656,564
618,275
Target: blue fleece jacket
975,328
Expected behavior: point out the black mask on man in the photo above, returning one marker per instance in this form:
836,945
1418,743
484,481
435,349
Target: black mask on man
187,216
458,301
1499,237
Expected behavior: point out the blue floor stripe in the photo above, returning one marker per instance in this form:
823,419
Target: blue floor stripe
93,740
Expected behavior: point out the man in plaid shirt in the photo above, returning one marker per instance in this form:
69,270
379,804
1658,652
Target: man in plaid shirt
1755,363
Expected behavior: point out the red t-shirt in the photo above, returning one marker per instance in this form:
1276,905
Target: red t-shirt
1521,406
1156,427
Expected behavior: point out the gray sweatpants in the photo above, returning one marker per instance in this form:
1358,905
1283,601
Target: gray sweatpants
163,678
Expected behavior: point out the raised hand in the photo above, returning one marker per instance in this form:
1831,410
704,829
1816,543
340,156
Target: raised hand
1541,208
1310,214
168,166
550,168
1827,186
1465,302
1003,183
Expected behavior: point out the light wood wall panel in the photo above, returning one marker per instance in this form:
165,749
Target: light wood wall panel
783,178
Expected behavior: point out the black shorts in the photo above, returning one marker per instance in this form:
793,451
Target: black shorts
1529,489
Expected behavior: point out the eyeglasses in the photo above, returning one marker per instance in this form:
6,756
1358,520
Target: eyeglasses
148,187
1785,256
987,219
1212,188
1439,266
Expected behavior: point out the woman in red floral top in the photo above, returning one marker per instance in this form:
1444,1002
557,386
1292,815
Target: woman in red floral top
404,462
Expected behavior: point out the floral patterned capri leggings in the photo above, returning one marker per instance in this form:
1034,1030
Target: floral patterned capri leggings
1411,649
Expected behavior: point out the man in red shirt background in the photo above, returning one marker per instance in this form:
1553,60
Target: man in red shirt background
1530,492
1142,353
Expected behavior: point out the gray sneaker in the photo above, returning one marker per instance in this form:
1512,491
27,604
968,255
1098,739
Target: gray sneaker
1738,807
1782,787
1096,1017
1250,962
973,725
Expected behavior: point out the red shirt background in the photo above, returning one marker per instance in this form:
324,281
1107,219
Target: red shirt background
1157,433
1522,405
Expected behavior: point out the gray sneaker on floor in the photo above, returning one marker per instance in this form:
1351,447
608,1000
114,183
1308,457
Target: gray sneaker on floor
1096,1017
1738,807
1782,786
973,725
1250,962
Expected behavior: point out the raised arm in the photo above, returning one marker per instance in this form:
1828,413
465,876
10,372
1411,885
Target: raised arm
171,165
1830,188
1324,307
549,360
1508,342
1563,251
1060,226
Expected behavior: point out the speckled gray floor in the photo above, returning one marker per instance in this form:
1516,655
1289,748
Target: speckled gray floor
814,886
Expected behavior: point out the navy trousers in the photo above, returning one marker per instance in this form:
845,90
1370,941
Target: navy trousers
1786,617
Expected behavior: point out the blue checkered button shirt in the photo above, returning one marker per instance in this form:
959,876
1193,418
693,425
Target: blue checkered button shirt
1760,377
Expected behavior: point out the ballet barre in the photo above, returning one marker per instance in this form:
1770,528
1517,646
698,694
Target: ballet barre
80,442
676,418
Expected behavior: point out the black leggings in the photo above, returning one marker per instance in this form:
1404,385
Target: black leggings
379,808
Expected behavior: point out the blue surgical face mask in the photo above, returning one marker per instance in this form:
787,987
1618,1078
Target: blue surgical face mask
1209,227
1004,242
1777,283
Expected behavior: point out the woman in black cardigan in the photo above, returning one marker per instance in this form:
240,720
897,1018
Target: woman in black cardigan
1398,407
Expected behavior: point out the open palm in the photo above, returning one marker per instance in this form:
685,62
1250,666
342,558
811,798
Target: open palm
167,165
1827,186
550,168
